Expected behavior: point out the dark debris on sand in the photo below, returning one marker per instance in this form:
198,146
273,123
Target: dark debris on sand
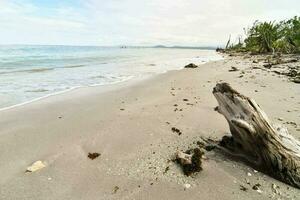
93,156
115,190
176,130
243,188
191,65
233,69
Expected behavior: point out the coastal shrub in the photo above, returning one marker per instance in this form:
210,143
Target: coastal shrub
291,30
271,37
262,37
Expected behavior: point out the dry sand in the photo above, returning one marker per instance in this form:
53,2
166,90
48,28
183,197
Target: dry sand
130,126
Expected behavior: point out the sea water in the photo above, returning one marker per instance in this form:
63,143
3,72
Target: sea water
31,72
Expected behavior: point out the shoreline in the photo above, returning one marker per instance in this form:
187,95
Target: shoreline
135,64
61,92
131,128
133,80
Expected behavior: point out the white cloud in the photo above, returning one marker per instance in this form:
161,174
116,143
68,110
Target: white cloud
137,22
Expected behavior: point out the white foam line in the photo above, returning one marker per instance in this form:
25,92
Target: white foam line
62,92
39,98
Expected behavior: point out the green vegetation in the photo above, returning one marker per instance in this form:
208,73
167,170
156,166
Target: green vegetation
271,37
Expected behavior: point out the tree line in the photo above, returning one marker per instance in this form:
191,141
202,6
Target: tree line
270,37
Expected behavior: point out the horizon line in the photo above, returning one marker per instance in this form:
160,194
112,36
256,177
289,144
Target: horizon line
122,46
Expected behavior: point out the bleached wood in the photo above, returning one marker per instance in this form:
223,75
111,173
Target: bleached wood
270,147
184,159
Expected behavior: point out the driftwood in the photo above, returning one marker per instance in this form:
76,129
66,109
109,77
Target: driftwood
190,161
270,148
228,42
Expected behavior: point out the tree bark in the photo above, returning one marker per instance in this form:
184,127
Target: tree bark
268,147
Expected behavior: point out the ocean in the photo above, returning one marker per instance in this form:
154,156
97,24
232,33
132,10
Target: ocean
28,72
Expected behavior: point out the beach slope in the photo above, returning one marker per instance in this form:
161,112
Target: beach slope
130,126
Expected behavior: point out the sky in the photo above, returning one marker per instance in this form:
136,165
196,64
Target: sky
135,22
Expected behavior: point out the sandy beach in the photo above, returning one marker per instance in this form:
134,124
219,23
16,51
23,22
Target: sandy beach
130,126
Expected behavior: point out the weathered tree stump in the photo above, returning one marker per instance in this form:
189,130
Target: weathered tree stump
268,147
